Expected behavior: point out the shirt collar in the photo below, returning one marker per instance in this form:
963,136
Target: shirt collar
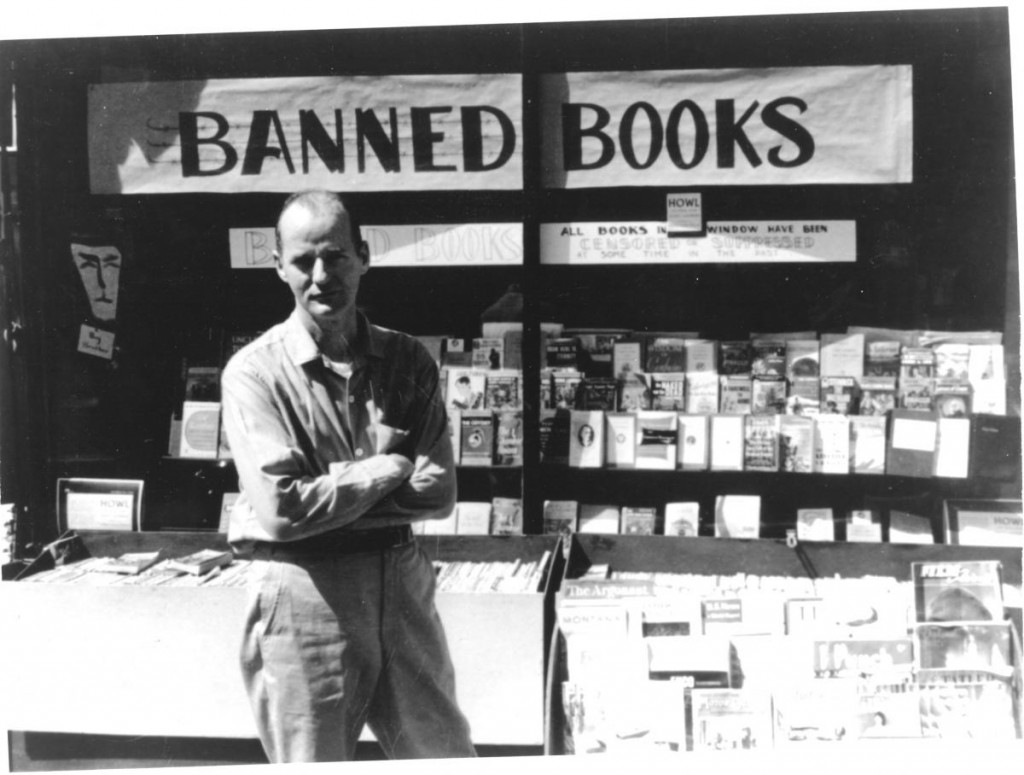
302,349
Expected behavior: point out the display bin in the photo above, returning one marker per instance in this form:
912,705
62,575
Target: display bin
163,661
711,556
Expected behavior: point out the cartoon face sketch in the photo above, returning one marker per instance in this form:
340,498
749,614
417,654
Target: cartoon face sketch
100,269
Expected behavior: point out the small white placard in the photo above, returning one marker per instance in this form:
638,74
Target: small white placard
918,435
684,214
726,242
96,341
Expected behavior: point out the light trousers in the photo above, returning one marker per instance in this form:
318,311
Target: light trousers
333,643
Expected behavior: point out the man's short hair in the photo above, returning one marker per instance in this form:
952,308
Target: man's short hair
319,202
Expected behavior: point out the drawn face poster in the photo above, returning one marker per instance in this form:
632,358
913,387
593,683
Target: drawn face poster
100,270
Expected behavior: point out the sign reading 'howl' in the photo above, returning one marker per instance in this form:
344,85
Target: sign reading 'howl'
362,133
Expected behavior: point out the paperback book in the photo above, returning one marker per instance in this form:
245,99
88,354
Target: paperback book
586,439
701,356
768,395
638,520
796,443
731,719
201,562
692,447
737,516
620,439
831,444
867,444
802,359
804,396
506,516
466,389
842,355
882,358
597,393
726,442
734,358
761,442
950,591
598,518
508,438
477,438
701,392
682,519
560,516
838,395
473,518
768,358
502,390
668,391
877,395
735,394
656,440
665,354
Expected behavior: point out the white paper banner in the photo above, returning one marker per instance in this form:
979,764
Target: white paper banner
635,242
358,133
420,245
775,126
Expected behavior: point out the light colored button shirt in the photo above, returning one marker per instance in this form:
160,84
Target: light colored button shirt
321,445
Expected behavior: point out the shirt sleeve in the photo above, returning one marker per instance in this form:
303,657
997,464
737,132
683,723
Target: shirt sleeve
288,499
430,491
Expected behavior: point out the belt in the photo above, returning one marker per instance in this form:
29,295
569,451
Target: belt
337,542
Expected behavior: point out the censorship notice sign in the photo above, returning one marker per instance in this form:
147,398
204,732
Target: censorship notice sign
749,242
356,133
419,245
771,126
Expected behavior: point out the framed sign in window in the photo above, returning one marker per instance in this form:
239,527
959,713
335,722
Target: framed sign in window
99,504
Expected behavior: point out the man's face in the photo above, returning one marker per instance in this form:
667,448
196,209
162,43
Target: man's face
320,263
100,269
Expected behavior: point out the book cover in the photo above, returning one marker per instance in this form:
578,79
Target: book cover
995,448
553,436
951,360
831,444
957,591
692,442
731,719
638,520
502,390
917,363
508,445
761,442
564,387
473,518
701,392
988,397
701,356
815,710
200,429
466,389
202,383
952,398
512,356
768,358
998,522
880,658
842,355
598,518
620,439
129,563
965,646
701,662
867,443
506,516
838,395
768,395
986,362
560,516
815,525
586,439
656,440
803,359
796,443
952,447
916,393
634,393
906,527
735,394
863,526
668,391
877,395
682,518
627,359
882,358
561,352
457,352
734,357
803,396
477,437
201,562
595,348
726,448
665,354
737,516
888,710
597,393
912,443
